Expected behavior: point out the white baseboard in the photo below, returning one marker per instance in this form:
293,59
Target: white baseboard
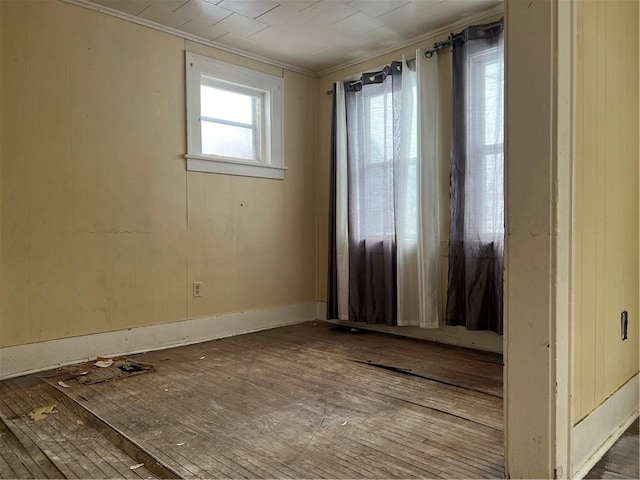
597,432
34,357
457,336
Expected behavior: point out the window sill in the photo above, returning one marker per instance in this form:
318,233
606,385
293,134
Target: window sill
201,163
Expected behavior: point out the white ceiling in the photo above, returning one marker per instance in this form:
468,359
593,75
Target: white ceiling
314,35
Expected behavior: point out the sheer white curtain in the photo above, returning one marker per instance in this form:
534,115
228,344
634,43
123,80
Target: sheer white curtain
418,233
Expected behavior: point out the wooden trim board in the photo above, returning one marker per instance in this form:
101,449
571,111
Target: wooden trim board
597,432
449,335
33,357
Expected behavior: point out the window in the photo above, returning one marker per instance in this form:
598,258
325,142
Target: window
377,168
381,141
485,93
234,119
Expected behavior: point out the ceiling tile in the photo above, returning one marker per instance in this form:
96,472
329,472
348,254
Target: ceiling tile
377,7
162,13
385,37
199,28
252,9
426,3
201,11
170,4
272,40
284,17
453,9
237,42
326,58
358,24
132,7
296,4
408,18
327,12
237,24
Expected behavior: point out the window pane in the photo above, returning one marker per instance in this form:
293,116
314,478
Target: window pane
485,135
226,105
379,119
228,141
493,95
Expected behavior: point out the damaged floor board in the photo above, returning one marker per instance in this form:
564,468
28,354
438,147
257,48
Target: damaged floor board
20,457
119,439
118,369
75,449
290,403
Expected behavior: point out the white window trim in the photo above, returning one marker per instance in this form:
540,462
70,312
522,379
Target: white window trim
273,164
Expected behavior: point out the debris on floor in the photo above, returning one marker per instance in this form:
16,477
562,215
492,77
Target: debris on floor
63,385
351,330
42,412
106,363
137,465
119,368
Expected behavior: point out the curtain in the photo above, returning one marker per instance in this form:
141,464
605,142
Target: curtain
338,272
418,231
384,231
332,254
476,234
373,111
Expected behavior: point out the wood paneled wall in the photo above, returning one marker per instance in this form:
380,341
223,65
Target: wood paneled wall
606,196
102,227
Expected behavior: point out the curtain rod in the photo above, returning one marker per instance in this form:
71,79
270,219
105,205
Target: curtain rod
441,45
375,74
455,36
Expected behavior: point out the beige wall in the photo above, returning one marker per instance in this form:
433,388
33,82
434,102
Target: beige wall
606,196
102,227
455,335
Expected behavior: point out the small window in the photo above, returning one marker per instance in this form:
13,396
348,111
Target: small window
234,119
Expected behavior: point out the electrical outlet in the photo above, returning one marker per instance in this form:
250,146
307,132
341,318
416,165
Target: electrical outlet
197,289
624,324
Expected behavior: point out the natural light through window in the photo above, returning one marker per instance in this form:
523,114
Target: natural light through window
234,119
485,91
378,146
230,123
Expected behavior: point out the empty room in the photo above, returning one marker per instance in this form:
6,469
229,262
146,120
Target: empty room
319,238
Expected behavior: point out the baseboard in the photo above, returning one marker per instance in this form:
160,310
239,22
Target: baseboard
33,357
597,432
457,336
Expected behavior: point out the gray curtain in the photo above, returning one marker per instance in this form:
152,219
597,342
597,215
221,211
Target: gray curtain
372,150
476,234
332,273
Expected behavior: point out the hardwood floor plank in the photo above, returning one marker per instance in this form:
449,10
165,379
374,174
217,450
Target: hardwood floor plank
17,409
79,447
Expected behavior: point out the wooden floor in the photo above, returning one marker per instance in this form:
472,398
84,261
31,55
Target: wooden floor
306,401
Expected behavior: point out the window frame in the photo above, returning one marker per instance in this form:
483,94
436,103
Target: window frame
270,163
